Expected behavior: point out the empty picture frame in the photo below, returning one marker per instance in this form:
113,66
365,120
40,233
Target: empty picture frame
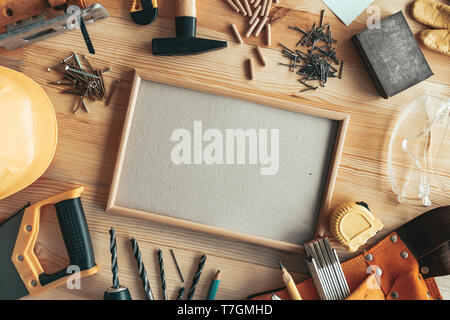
283,208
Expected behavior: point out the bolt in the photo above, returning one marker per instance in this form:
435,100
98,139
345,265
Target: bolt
29,228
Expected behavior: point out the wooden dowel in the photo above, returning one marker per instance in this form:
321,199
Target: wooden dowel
263,11
261,56
240,6
256,3
261,26
268,34
252,27
233,6
237,34
268,7
251,69
255,15
247,7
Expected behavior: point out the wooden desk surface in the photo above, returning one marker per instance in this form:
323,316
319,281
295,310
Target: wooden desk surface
88,143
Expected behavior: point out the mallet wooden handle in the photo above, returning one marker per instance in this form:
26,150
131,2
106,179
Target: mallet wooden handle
186,8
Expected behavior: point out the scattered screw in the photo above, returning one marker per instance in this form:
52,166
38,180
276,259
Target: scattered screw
112,92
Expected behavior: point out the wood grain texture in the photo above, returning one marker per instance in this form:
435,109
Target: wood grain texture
88,143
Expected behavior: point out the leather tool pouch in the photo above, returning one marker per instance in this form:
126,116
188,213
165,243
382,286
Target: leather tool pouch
402,266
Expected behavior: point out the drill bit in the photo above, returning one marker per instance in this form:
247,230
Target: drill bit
117,291
163,276
176,265
141,268
114,265
180,293
197,275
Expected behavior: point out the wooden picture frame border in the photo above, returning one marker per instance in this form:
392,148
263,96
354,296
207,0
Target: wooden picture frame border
218,89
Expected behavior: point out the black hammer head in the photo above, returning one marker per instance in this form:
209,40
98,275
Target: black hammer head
184,46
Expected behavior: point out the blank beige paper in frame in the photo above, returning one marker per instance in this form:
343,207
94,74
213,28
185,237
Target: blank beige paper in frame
282,209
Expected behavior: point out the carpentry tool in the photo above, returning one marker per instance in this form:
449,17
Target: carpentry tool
162,274
352,224
177,265
290,284
326,270
196,279
141,269
117,291
27,21
21,271
144,12
186,42
26,114
214,287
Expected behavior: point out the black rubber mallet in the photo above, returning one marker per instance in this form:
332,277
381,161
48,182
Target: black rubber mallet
186,42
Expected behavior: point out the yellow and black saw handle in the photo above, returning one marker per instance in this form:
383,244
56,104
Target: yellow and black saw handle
75,232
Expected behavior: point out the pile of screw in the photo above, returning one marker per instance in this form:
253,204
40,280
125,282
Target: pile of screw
85,83
316,64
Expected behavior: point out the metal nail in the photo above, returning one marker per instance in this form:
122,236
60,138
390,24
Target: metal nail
113,90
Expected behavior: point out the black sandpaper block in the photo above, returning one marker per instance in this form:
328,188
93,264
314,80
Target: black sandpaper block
392,56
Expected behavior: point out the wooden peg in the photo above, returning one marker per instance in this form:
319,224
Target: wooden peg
252,27
251,69
261,56
233,6
255,15
240,6
237,34
268,34
247,7
261,26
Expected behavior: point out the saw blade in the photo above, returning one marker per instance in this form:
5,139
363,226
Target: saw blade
11,284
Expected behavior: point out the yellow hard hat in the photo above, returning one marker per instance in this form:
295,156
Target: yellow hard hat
28,131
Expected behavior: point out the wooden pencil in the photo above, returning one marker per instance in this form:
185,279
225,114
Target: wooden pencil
290,284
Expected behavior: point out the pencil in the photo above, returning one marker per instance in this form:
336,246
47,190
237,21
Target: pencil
290,284
214,287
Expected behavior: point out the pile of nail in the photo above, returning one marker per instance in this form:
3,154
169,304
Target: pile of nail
317,63
87,83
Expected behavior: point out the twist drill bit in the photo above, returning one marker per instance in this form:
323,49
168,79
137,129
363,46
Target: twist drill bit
163,275
114,266
180,293
176,265
196,279
116,292
141,268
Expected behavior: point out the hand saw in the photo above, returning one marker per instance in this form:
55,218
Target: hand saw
23,22
21,272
